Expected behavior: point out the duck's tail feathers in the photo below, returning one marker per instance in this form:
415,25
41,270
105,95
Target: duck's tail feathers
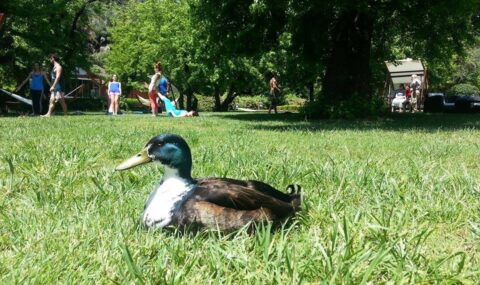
296,195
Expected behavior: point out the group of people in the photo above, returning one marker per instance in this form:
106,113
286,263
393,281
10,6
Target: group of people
158,94
37,78
158,91
411,92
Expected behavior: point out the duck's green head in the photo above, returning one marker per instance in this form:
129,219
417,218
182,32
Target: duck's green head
169,149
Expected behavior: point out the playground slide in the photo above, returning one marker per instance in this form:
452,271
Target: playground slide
18,97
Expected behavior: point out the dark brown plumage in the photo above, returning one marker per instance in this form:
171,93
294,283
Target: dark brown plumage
227,204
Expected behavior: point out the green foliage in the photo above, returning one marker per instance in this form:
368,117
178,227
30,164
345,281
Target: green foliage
463,90
350,41
129,104
35,29
154,30
252,102
385,201
145,33
291,108
205,103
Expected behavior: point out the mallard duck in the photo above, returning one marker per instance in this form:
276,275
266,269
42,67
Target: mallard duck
220,203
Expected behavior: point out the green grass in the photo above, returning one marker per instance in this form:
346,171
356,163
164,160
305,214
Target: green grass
389,201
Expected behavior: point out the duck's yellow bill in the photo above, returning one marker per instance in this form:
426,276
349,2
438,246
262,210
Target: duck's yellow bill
139,159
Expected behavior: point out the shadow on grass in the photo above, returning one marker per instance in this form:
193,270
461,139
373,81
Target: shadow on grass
426,122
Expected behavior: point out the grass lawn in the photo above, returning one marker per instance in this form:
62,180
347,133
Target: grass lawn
393,200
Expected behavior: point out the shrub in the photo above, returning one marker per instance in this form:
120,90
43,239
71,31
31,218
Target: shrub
463,89
292,99
205,103
252,102
290,108
131,104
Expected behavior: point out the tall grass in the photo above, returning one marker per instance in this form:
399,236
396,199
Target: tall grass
388,201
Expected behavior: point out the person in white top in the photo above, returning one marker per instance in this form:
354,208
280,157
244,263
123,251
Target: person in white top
152,88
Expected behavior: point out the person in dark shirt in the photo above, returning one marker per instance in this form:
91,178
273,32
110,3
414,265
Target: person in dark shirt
36,77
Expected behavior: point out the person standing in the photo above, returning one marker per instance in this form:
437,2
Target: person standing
114,92
152,88
163,88
56,87
36,77
415,85
274,94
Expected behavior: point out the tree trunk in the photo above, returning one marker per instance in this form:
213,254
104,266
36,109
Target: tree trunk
73,30
218,102
223,106
181,104
230,97
348,69
189,95
311,91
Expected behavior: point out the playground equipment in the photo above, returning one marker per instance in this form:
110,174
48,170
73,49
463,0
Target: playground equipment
8,106
18,97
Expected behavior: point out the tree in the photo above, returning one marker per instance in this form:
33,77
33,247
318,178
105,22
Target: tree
151,31
164,30
346,39
34,29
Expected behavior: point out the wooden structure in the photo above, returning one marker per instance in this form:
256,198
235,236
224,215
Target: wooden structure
400,72
94,85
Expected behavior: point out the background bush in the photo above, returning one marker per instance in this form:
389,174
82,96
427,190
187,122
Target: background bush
463,89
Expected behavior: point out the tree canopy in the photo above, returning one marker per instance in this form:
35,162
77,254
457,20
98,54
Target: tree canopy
334,51
347,40
34,29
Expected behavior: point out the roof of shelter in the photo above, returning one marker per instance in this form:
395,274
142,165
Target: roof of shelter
400,71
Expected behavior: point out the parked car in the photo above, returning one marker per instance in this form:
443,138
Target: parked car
438,102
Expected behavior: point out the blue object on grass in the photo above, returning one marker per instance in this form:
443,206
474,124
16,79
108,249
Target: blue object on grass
170,108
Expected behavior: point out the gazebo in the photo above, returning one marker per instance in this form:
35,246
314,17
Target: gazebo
400,72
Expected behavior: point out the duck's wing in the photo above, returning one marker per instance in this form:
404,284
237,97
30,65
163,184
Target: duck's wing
238,197
225,183
211,215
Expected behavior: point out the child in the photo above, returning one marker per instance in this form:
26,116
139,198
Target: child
114,91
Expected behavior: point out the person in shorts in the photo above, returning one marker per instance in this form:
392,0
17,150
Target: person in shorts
274,93
56,90
114,92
